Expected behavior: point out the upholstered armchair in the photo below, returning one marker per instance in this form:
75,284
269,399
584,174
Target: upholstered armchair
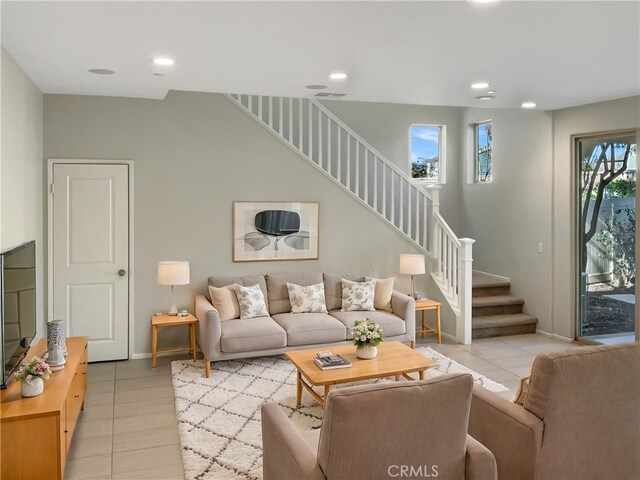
580,418
397,430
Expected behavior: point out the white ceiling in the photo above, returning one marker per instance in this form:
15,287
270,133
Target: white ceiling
557,54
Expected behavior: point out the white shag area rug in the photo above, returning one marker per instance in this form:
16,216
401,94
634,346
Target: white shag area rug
219,416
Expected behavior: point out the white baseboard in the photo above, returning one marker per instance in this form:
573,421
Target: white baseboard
450,337
138,356
556,336
504,279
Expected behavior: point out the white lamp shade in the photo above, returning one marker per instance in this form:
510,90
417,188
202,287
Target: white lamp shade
173,273
412,264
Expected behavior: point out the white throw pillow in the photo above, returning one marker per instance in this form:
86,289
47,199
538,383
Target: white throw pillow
251,301
225,300
383,293
307,299
357,296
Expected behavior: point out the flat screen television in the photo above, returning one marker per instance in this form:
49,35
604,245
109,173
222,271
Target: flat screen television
17,305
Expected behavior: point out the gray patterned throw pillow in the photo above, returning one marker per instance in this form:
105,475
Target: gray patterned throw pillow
251,301
307,299
357,296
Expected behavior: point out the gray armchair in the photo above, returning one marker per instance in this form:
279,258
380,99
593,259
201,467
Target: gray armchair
399,430
580,420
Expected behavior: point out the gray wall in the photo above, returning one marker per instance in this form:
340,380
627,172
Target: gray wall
622,114
21,168
194,154
511,215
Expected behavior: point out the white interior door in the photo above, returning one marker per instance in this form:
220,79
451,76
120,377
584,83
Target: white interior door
91,255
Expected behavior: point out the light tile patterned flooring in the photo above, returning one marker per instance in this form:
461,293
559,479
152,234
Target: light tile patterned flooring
128,428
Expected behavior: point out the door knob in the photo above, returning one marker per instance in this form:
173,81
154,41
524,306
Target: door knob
122,272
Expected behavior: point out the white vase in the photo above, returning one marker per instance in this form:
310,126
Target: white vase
32,388
367,352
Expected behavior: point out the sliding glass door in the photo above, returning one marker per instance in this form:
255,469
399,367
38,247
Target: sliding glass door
606,260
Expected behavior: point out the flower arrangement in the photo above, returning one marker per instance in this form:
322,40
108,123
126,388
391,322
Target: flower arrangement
367,333
35,368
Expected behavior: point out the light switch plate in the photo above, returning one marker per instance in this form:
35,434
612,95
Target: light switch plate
540,247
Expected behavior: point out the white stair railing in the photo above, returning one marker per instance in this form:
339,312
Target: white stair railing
332,147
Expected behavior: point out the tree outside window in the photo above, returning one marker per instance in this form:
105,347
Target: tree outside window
483,151
425,155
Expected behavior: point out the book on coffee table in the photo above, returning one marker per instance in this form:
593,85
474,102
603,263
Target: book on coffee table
332,362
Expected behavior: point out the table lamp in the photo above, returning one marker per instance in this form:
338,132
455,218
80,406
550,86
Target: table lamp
172,273
411,264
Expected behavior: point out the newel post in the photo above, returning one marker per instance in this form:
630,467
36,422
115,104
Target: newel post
465,269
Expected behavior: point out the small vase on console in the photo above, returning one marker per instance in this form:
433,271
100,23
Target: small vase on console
33,388
56,344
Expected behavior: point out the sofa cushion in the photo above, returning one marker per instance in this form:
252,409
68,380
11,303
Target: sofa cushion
251,334
310,328
358,296
307,299
333,286
383,293
277,288
245,281
391,324
224,300
251,301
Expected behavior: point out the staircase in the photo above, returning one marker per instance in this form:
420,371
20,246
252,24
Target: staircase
495,311
329,145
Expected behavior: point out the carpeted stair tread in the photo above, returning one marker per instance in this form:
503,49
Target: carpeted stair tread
496,301
485,280
494,321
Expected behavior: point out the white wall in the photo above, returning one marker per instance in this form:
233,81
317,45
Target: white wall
21,168
194,154
616,115
386,127
511,215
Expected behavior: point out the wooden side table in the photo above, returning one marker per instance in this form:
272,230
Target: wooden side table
423,305
164,320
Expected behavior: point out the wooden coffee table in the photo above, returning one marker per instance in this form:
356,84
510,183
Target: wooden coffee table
394,360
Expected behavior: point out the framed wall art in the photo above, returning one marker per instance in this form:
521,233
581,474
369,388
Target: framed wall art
267,231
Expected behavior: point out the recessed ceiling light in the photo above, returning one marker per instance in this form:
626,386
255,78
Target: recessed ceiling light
163,61
338,76
316,87
101,71
483,1
491,92
485,97
479,85
528,105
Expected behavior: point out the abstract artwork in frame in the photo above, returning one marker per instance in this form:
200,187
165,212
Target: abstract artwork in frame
267,231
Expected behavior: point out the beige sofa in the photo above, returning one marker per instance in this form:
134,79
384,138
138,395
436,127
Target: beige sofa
580,420
283,330
398,430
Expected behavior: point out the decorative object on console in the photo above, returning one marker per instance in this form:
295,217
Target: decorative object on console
173,273
411,264
358,296
383,293
265,231
308,299
251,301
56,345
367,335
31,376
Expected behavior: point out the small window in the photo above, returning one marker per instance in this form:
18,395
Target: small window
483,152
426,155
